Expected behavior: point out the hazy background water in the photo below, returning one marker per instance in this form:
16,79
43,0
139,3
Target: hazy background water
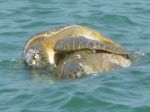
125,90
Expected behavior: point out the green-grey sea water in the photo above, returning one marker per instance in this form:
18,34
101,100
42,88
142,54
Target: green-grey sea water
125,90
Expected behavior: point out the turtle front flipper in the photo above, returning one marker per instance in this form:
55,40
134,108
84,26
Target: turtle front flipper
74,44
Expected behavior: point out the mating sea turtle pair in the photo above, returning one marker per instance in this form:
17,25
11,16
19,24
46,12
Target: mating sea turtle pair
73,51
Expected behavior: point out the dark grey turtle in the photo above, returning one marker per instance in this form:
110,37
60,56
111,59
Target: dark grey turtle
77,56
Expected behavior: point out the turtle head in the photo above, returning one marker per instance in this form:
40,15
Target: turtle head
35,58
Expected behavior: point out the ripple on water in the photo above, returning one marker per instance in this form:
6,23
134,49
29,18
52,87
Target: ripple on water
122,20
119,90
125,90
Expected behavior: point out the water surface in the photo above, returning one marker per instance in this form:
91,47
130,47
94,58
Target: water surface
125,90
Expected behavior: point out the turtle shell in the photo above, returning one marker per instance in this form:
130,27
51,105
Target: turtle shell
50,38
71,38
82,43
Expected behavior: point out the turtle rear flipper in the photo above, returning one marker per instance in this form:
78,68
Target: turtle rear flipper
81,43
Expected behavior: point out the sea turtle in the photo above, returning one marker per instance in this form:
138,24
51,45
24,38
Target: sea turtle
46,48
79,56
84,62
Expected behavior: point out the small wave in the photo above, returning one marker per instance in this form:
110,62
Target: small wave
140,53
118,19
144,59
12,63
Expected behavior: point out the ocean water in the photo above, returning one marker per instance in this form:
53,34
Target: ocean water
125,90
